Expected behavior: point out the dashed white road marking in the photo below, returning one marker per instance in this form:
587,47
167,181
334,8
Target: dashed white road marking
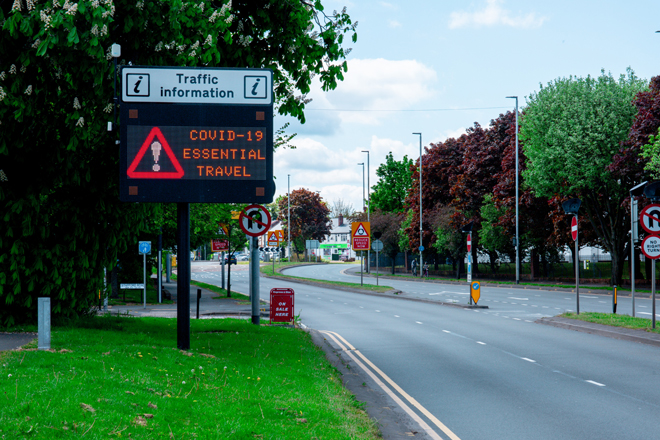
595,383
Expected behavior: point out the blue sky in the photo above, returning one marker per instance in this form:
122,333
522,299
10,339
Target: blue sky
437,67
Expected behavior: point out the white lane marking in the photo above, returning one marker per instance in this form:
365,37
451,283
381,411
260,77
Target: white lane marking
519,299
397,316
481,343
529,360
350,352
586,296
527,320
419,322
596,383
446,331
516,319
377,311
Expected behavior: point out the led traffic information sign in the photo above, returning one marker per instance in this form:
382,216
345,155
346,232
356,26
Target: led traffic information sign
199,145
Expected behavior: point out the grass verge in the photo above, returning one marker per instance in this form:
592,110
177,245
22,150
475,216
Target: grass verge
267,269
614,320
222,293
112,377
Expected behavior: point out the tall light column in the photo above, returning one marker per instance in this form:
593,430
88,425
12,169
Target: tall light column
421,246
288,202
368,211
362,185
517,199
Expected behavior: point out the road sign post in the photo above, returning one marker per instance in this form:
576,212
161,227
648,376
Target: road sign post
377,245
255,220
475,292
651,249
144,248
360,237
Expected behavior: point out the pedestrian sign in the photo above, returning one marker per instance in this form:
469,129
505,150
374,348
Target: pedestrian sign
144,247
360,236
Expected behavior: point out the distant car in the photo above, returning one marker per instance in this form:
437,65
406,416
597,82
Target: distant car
242,258
233,260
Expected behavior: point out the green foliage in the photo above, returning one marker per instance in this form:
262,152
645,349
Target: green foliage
310,217
651,151
62,222
571,130
492,238
390,191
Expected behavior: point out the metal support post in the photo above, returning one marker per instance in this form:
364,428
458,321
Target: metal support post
577,269
222,270
160,268
615,300
144,279
653,290
254,281
43,312
183,277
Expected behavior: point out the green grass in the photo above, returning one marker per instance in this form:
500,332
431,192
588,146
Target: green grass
614,320
267,269
222,293
112,377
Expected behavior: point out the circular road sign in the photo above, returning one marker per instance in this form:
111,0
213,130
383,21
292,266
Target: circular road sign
469,242
255,220
650,218
651,247
377,245
574,228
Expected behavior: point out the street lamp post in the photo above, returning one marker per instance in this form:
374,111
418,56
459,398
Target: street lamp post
368,210
421,246
288,202
362,185
517,199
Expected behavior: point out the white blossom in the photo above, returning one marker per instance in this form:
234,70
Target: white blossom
2,93
76,103
36,44
28,91
45,18
81,122
16,6
3,75
104,30
23,68
95,30
12,69
159,46
72,10
209,40
140,5
108,108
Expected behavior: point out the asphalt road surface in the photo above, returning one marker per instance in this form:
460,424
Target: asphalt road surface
486,373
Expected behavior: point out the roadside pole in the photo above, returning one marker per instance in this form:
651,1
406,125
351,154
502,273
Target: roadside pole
183,277
254,280
577,267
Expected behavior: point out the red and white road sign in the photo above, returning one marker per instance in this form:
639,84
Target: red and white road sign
273,240
469,242
255,220
651,247
158,148
361,236
281,305
219,245
650,218
574,228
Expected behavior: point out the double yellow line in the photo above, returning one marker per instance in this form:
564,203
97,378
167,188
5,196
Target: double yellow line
375,372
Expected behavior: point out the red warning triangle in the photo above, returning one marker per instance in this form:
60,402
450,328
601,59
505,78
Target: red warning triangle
360,231
155,135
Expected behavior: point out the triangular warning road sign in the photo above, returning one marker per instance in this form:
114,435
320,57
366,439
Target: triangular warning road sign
157,140
360,231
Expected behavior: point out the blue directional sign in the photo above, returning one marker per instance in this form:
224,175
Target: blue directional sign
145,247
421,248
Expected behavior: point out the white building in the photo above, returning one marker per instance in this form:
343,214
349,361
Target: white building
338,243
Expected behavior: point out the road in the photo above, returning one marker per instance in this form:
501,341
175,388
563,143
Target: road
486,374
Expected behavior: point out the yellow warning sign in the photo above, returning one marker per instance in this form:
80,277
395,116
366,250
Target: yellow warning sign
475,291
361,236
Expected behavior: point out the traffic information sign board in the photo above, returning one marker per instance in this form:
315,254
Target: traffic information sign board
255,220
360,236
650,218
197,135
651,247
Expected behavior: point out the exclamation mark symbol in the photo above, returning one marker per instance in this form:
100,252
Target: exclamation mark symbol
155,149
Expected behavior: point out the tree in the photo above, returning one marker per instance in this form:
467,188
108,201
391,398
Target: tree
310,217
571,130
62,221
389,193
340,207
388,224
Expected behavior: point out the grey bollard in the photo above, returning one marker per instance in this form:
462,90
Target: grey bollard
43,312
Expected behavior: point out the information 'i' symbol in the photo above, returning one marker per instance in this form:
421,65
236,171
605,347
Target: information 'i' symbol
254,87
136,89
155,149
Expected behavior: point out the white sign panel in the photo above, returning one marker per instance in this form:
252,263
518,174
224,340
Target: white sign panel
185,85
651,247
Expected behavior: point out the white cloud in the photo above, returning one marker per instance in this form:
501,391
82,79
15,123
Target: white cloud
493,15
373,85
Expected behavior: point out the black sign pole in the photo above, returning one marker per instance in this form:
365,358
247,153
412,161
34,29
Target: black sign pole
183,277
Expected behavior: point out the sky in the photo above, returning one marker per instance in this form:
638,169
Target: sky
436,67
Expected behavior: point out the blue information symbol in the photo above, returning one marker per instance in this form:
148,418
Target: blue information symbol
144,247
